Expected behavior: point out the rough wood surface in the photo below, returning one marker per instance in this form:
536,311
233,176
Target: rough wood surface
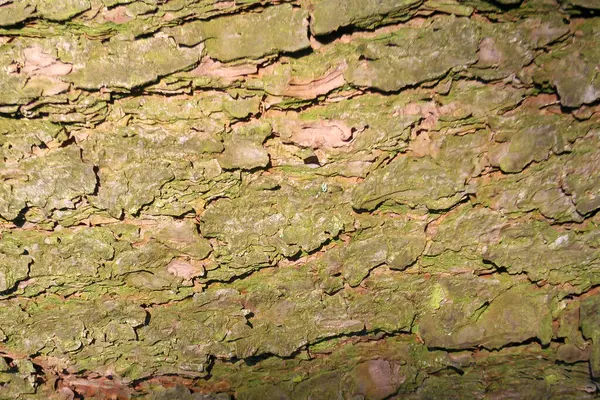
317,199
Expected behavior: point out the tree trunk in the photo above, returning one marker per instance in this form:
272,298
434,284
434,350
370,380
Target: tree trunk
299,199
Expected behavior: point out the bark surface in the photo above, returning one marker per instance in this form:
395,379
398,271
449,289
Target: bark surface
299,199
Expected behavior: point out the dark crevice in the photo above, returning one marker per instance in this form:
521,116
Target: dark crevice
148,34
299,53
20,219
574,296
584,13
331,37
6,30
235,278
312,160
366,335
456,369
502,7
98,185
493,268
529,341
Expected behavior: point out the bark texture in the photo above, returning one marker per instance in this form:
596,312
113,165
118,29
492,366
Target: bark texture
311,199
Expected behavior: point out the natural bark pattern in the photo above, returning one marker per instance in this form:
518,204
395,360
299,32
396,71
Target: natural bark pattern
315,199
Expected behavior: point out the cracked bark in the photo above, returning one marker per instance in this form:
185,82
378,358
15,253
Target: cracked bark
299,199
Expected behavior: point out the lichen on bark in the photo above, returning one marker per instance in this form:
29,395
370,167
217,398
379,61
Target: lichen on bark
299,199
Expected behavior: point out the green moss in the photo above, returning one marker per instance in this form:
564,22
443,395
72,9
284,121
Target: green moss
412,181
329,15
198,199
578,86
235,37
411,56
60,11
13,13
116,64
